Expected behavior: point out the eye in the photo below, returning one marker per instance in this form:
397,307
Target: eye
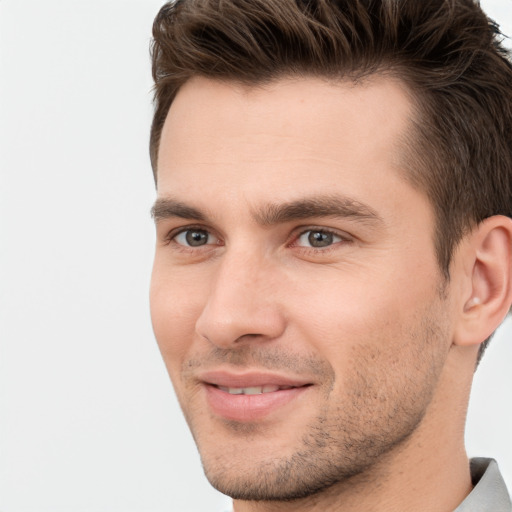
318,238
195,237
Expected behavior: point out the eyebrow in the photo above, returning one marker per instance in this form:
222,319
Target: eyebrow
316,206
165,208
271,214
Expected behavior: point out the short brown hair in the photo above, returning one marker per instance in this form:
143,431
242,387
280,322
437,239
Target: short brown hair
447,52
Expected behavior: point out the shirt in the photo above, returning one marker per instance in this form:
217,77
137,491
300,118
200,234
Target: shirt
489,493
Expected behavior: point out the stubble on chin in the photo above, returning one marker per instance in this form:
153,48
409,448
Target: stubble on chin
372,413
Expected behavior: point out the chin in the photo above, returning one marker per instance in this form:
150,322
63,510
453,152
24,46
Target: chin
273,473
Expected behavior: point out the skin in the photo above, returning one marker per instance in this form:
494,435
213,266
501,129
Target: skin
366,320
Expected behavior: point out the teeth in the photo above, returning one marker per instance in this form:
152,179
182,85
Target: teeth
235,391
271,389
255,390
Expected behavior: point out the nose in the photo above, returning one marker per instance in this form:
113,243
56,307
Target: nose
242,304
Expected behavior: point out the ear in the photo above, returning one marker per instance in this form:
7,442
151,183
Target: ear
486,294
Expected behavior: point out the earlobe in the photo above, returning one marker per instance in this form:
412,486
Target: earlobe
488,296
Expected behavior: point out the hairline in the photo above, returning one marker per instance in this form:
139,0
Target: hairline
355,77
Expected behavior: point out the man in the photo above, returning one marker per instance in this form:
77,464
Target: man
334,245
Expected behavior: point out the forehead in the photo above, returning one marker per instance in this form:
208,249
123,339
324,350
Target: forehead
291,134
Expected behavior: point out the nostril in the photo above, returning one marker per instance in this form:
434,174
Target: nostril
248,337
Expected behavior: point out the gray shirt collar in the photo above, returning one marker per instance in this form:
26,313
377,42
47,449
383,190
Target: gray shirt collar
489,493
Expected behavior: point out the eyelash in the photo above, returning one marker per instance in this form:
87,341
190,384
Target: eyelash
172,235
336,238
295,237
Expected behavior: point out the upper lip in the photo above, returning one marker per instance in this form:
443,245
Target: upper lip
249,379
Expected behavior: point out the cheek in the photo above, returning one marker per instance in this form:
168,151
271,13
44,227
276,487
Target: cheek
352,310
336,304
174,313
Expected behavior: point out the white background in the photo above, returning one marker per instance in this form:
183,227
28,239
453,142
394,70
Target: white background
88,419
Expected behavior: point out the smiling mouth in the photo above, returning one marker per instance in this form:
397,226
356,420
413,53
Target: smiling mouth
236,398
254,390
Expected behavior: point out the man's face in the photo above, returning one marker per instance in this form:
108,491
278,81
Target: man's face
295,297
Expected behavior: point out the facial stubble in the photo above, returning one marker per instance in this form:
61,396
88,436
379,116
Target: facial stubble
383,401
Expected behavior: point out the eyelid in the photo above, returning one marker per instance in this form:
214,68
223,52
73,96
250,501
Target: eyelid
294,237
173,233
184,243
299,232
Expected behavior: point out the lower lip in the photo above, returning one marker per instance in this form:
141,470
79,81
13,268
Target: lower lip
248,408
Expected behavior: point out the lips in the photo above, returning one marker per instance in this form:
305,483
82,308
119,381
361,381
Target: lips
250,397
254,390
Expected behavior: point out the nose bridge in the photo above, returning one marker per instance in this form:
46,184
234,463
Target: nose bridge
242,300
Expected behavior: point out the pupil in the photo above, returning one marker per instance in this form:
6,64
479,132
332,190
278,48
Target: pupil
320,239
195,238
